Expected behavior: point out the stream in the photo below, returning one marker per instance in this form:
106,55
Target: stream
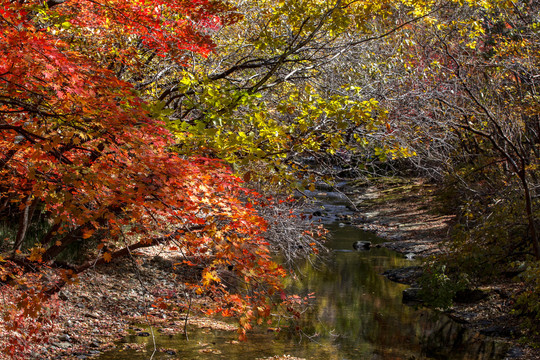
356,314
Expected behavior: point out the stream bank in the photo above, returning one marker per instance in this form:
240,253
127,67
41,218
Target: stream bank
409,216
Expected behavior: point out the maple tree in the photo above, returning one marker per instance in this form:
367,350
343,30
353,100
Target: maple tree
85,156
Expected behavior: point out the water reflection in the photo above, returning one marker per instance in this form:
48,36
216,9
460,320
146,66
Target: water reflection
357,314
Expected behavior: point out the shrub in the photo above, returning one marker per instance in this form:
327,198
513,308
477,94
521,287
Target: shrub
528,301
439,287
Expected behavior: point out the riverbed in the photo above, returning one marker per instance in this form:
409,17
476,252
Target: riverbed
356,314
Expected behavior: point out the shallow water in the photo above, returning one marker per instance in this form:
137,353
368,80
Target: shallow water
357,314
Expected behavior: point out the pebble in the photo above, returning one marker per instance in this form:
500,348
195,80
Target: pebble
92,315
514,353
62,345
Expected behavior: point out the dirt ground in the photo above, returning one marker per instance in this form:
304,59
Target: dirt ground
407,216
112,300
108,301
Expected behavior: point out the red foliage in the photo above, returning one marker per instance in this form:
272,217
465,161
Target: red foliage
79,145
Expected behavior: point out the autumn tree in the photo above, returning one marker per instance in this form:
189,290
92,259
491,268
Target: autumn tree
124,124
89,160
266,94
465,95
459,87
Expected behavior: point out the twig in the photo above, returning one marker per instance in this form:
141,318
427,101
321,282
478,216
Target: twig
154,341
187,317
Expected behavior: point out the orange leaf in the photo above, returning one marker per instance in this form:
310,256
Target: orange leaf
107,257
87,234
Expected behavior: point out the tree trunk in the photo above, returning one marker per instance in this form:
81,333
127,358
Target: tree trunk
530,214
24,222
67,240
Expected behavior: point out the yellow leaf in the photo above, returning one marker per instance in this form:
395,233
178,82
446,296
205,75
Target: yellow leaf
35,254
210,276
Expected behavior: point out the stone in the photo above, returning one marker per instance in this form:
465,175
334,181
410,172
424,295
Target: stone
63,295
362,219
62,345
407,275
411,296
514,353
93,315
362,245
470,296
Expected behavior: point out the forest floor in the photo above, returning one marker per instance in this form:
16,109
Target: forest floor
117,299
412,219
112,300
